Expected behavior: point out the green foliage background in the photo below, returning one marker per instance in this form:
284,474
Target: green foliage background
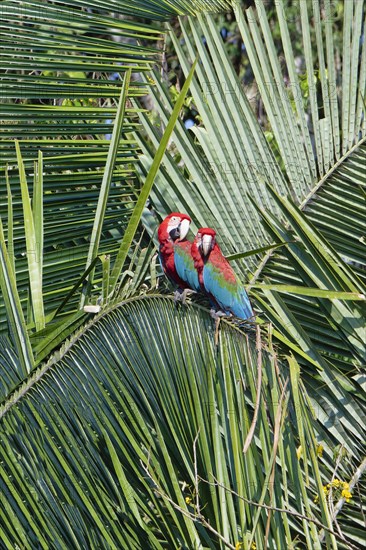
123,423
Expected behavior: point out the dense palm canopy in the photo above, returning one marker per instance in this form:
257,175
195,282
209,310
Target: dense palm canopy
133,428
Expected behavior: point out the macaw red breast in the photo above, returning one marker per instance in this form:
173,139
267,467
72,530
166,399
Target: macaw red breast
198,262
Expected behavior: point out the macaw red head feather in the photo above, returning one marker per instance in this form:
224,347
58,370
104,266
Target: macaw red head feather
205,240
171,233
207,231
172,221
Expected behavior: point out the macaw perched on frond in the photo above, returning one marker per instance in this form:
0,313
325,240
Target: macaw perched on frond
216,276
175,252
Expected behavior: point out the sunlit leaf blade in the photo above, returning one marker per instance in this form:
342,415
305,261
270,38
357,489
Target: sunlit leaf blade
145,191
100,212
314,292
15,318
34,242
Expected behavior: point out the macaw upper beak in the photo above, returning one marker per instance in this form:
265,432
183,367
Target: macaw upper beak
183,228
179,232
206,244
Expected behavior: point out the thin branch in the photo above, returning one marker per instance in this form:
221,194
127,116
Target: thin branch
199,517
338,507
355,479
250,435
330,499
282,511
194,517
196,480
276,436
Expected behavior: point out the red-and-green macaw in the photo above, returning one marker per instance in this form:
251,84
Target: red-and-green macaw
175,251
216,276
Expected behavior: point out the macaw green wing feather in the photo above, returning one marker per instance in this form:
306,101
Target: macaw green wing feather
184,265
221,282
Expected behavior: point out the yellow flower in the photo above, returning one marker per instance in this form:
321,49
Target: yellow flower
238,545
188,500
340,489
325,490
336,483
347,495
254,546
319,450
299,452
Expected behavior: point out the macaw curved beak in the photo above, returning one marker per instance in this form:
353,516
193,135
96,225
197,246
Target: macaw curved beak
206,244
178,232
183,229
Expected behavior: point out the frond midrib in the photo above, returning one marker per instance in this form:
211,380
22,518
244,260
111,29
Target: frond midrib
305,202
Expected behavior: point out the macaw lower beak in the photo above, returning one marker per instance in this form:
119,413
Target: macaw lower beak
206,244
183,229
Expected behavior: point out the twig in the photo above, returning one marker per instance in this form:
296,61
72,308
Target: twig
199,516
217,325
355,479
194,517
276,436
249,437
283,511
196,481
330,500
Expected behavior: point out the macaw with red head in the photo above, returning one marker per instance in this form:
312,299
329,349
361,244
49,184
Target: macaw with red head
175,251
216,276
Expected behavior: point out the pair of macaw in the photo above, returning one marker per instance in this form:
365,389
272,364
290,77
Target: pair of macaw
201,266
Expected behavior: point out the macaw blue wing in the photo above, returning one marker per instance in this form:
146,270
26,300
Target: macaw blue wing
229,293
184,265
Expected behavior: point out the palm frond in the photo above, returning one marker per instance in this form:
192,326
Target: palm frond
323,180
228,156
148,431
59,60
141,431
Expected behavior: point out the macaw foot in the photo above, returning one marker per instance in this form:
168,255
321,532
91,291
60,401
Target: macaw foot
187,292
218,314
248,323
251,319
178,296
181,295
